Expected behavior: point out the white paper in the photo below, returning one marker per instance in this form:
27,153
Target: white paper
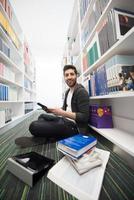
83,187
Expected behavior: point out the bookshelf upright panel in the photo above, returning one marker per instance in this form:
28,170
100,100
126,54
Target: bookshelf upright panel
17,78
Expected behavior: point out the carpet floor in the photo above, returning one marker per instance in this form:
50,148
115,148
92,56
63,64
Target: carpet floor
118,183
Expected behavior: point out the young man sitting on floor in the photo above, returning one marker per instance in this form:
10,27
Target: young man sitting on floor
72,118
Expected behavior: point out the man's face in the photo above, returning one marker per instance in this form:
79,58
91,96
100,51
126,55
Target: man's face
70,77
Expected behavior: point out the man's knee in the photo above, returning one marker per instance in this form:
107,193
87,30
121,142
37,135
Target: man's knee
32,128
41,117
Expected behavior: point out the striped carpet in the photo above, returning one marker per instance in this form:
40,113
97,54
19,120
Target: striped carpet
118,181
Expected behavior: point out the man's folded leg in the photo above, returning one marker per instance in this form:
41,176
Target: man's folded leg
52,129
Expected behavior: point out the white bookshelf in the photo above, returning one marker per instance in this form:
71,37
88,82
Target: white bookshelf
115,95
122,103
123,46
17,29
16,53
128,5
15,73
119,138
87,14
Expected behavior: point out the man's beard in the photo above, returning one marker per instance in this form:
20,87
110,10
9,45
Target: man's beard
71,83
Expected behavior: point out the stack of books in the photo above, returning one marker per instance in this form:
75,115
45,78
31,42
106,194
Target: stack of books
80,151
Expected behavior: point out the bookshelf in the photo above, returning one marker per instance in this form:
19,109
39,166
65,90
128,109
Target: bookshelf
123,46
119,138
17,70
89,24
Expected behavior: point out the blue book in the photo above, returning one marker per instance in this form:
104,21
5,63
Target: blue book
77,144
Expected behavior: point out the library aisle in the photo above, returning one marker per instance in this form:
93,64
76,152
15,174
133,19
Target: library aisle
100,43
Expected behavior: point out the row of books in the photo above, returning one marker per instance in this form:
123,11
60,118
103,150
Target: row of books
97,11
4,92
4,48
98,8
29,106
92,54
116,24
80,152
5,116
101,116
83,7
116,75
8,93
6,72
9,30
7,7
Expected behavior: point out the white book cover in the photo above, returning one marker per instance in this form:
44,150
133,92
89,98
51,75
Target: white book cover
83,187
87,162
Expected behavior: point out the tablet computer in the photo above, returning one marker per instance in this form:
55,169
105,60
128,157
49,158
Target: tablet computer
43,107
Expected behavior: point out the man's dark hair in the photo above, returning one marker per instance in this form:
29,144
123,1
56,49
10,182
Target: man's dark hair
66,67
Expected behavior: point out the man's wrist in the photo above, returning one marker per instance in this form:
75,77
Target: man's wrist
70,115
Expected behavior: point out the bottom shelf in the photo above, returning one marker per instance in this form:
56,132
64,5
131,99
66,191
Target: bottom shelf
121,138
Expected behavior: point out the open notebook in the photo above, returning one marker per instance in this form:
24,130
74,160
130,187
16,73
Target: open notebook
83,187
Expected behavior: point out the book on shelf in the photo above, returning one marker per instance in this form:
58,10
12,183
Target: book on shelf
2,117
4,92
84,62
86,162
84,187
116,24
97,10
96,13
119,73
124,21
8,114
76,145
29,167
103,37
115,75
93,54
29,106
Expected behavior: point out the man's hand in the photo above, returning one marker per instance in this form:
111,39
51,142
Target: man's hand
63,113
